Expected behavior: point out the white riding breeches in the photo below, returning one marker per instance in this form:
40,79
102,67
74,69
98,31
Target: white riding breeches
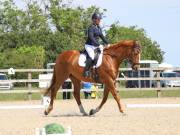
90,50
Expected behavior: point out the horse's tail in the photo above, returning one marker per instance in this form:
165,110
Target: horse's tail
48,90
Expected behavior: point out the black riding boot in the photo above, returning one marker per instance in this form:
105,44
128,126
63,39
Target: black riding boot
87,67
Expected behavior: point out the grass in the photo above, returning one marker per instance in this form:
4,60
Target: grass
123,94
138,94
19,96
171,93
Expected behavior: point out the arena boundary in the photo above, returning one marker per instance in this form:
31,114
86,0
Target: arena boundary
44,103
153,105
11,107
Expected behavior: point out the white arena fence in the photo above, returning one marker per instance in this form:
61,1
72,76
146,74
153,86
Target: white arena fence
30,90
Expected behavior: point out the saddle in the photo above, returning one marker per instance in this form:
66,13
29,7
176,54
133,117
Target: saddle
95,63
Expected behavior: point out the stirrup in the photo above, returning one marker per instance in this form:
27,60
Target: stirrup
86,74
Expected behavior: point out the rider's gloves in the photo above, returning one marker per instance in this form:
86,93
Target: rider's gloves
108,45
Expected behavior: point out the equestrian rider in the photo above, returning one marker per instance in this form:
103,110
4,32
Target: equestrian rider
92,42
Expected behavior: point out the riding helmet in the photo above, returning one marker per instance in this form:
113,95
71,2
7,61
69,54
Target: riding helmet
96,16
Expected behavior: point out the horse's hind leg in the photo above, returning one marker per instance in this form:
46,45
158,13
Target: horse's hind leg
77,88
52,96
61,76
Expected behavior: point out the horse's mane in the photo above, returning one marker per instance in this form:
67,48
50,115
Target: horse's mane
125,43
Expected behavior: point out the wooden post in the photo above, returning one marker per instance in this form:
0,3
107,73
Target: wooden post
29,86
158,84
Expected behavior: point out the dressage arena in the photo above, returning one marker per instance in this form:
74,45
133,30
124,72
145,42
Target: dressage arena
145,120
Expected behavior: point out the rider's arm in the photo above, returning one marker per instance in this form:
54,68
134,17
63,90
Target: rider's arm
91,36
104,39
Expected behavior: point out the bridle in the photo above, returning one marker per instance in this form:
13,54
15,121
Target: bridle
137,49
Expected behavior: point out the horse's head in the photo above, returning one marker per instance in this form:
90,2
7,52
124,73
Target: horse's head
127,49
135,56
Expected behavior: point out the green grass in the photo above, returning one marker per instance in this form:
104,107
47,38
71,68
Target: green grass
138,94
19,96
171,93
123,94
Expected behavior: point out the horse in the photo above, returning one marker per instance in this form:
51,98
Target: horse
67,67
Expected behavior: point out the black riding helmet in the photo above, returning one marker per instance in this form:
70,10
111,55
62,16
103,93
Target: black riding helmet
96,16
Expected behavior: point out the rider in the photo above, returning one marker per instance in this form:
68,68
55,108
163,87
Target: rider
92,42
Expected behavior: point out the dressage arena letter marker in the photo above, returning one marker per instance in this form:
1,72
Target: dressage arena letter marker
153,105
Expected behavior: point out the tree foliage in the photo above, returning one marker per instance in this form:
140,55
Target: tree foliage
150,49
53,25
23,57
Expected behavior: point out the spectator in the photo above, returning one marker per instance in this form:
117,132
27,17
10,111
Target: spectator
67,85
87,89
94,90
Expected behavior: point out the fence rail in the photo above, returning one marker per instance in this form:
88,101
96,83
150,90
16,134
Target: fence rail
29,80
118,79
121,69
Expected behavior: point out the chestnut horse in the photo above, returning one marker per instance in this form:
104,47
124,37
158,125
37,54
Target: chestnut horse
67,67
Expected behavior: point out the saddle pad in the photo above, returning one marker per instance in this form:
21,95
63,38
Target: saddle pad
82,60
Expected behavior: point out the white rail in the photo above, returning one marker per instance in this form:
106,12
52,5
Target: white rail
30,80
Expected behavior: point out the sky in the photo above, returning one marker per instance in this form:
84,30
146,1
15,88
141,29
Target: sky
159,18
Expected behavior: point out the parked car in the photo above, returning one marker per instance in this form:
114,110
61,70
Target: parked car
172,83
178,74
168,83
5,85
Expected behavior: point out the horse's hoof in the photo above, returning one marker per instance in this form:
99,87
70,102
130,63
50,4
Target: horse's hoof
85,114
124,114
122,111
91,112
45,113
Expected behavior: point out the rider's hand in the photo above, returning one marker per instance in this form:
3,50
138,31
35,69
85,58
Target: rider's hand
100,46
108,45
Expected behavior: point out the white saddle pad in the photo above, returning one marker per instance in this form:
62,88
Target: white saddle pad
82,60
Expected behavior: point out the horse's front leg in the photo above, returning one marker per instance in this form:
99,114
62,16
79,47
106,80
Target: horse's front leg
116,96
110,86
105,96
118,100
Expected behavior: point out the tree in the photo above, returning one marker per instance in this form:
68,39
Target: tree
23,57
56,27
19,27
70,26
150,49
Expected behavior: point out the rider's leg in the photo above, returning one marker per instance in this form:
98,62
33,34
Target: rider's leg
89,61
87,67
90,51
